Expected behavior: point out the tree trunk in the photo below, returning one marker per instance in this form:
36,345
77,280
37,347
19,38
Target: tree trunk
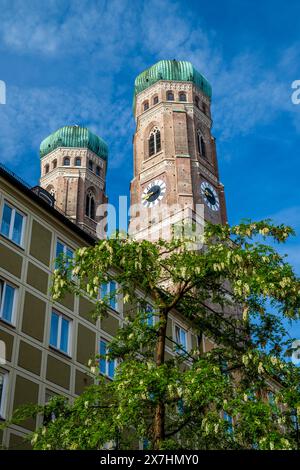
159,415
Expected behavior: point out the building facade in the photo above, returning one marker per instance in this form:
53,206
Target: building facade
48,344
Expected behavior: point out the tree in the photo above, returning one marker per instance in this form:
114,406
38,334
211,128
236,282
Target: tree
236,291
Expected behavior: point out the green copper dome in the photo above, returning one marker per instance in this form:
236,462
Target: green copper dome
74,136
178,70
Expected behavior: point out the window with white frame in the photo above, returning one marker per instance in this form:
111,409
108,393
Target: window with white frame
3,392
60,333
180,338
106,366
63,252
148,312
8,295
12,223
108,292
229,421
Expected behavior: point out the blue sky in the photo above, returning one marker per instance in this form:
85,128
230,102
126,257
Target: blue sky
74,62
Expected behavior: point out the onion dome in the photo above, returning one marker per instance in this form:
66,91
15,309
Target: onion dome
74,136
173,70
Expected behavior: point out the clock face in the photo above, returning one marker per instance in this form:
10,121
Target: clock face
153,193
210,196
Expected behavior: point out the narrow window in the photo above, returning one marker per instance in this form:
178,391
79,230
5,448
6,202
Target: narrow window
182,96
154,142
201,145
60,332
64,254
170,96
98,170
3,392
229,422
66,161
181,339
12,225
90,205
54,164
7,301
108,293
155,99
106,367
91,165
47,167
197,101
146,105
77,161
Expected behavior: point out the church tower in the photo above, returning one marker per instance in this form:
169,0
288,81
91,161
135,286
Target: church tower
175,162
73,170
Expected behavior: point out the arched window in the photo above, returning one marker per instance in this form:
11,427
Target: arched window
90,204
77,161
98,170
155,99
154,141
66,161
182,96
146,105
170,96
47,168
201,144
197,101
91,165
54,164
204,108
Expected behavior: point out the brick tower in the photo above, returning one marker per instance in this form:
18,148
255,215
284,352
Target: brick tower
73,170
175,160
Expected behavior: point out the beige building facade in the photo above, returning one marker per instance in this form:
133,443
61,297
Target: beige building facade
45,345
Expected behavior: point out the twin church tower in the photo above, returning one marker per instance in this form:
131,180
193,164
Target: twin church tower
175,161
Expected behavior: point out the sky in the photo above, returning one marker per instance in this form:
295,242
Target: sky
75,62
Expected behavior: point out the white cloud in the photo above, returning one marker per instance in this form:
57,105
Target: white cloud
118,34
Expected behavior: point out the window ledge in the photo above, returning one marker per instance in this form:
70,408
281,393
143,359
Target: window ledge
62,353
12,242
7,323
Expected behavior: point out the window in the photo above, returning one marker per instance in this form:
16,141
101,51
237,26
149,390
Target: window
98,170
181,339
77,161
63,253
197,102
182,96
91,165
149,314
47,168
201,144
3,392
90,205
60,333
7,301
170,96
146,105
12,225
154,142
66,161
50,415
108,292
229,421
106,367
54,164
155,99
